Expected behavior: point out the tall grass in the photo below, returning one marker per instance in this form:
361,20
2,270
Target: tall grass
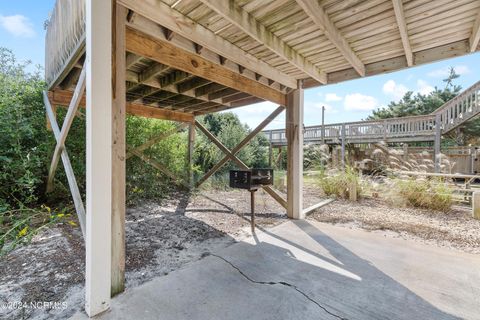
340,184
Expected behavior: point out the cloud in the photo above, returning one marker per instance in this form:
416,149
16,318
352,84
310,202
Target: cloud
360,102
17,25
332,97
397,91
444,72
423,87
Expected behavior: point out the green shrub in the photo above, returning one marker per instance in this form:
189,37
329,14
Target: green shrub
340,183
427,194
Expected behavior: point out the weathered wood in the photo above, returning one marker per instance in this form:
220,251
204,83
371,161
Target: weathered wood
475,37
67,123
175,21
156,139
72,181
118,151
230,155
248,24
242,143
316,206
98,245
321,19
190,153
437,157
62,98
343,138
402,26
476,205
166,53
294,134
157,165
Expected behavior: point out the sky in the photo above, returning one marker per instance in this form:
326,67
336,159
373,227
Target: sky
21,30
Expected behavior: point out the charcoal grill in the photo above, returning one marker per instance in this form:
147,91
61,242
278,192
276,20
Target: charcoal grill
251,180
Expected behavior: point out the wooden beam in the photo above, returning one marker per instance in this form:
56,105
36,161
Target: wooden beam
248,24
454,49
72,181
157,165
242,144
190,153
294,134
166,53
156,139
475,37
132,59
402,26
172,19
230,155
98,245
192,84
67,123
314,10
62,98
118,151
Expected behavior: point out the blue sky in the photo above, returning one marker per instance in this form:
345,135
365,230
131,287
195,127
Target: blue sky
21,29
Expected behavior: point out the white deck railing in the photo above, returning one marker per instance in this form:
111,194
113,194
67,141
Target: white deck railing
452,114
65,36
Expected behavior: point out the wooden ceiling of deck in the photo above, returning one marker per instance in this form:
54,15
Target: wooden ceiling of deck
277,42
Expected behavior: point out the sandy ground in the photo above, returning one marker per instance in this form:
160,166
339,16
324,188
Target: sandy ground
455,229
165,237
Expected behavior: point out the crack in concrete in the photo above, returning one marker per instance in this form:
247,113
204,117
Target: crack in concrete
283,283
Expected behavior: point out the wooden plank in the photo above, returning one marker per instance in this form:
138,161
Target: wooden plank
175,21
156,139
166,53
248,24
157,165
72,110
475,37
231,155
294,134
118,151
62,98
72,181
476,205
98,247
190,153
247,139
316,206
454,49
321,19
402,26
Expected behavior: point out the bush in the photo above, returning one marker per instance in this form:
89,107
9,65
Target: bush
427,194
340,184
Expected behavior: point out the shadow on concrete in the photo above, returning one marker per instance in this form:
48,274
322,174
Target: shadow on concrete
345,284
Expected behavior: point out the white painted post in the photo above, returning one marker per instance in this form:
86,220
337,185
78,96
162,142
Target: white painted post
476,205
99,155
294,133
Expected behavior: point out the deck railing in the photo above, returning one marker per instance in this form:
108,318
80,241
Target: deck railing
65,36
452,114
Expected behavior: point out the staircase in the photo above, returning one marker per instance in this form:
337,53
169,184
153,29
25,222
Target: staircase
451,115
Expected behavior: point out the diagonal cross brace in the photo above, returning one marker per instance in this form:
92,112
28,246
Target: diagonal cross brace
156,139
67,123
230,155
72,182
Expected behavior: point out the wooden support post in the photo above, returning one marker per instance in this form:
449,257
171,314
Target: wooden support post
118,152
438,139
294,134
343,145
476,205
98,246
49,125
323,125
190,152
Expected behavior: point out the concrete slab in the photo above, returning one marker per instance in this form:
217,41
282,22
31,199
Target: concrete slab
310,270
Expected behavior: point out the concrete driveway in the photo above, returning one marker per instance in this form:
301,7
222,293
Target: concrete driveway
310,270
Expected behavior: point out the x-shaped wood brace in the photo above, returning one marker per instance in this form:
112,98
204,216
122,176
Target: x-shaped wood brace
138,151
231,155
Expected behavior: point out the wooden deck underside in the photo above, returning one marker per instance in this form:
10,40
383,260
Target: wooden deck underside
267,46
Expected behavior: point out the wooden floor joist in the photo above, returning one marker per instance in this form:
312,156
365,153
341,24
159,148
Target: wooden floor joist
166,53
